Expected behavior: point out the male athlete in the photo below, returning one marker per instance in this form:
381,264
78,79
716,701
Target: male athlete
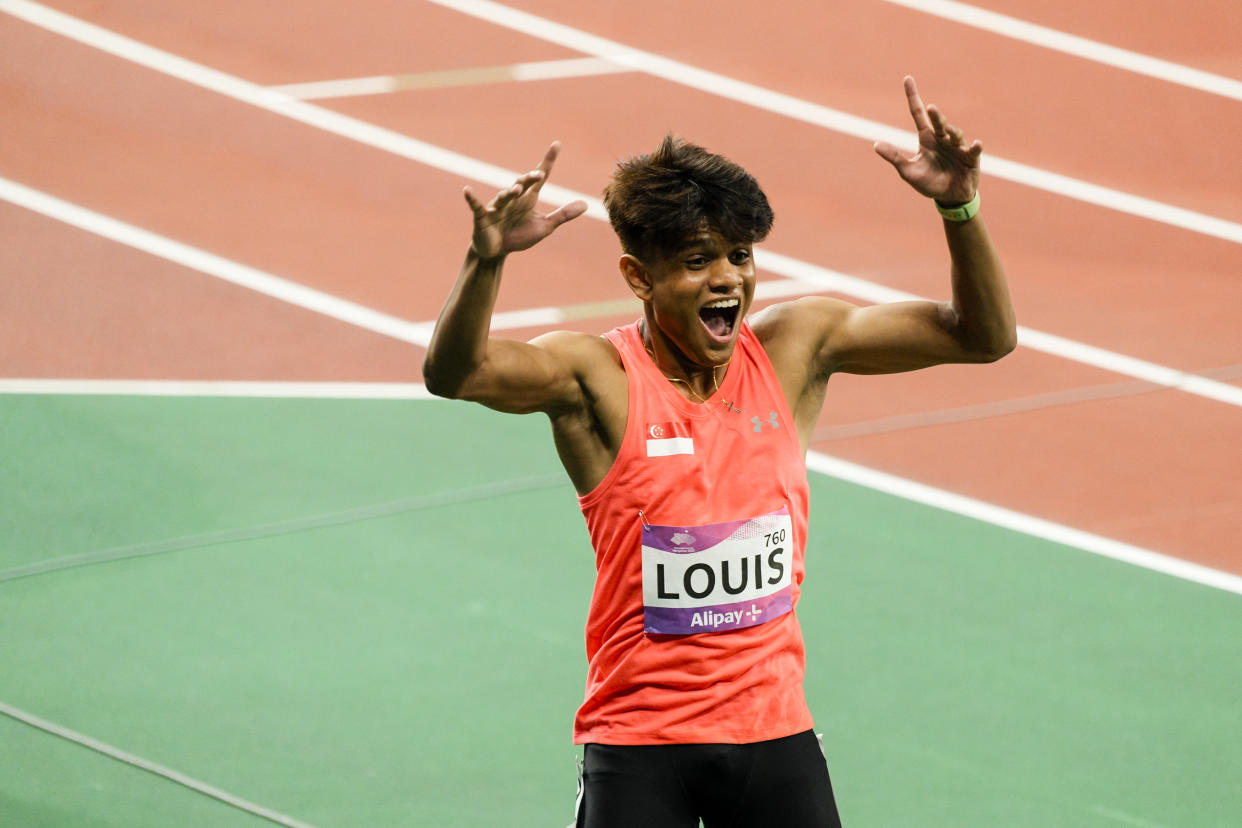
685,435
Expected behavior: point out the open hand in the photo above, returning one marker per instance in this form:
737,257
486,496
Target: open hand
510,222
944,167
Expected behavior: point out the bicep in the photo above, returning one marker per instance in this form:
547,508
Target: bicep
524,377
893,337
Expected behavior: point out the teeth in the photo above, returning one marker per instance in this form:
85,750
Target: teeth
722,303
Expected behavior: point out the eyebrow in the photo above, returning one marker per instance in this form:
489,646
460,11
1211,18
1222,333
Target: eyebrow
706,242
692,245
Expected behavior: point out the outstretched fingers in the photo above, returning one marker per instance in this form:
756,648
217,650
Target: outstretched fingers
567,212
944,131
917,110
528,182
890,154
929,118
549,158
944,166
476,206
511,221
539,175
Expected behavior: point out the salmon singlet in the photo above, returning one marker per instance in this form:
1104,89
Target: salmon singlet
699,530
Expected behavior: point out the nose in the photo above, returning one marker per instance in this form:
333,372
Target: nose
726,276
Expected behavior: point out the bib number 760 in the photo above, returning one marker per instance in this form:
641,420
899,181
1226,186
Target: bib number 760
719,576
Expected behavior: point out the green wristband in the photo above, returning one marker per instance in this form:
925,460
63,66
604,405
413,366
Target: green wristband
962,212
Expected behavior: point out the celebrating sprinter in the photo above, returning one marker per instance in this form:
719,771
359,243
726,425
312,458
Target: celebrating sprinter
685,434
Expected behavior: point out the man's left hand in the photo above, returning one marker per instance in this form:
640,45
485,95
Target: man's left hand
944,167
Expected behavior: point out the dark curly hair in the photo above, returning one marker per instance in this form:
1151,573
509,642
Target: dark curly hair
657,201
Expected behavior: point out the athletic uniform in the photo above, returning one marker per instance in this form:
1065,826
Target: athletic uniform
695,655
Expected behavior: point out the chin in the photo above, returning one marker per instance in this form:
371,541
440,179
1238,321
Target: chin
718,353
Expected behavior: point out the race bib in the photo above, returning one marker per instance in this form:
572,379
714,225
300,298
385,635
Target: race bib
722,576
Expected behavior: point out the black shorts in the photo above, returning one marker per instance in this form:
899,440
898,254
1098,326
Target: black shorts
782,783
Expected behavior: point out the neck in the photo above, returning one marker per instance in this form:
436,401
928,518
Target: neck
701,382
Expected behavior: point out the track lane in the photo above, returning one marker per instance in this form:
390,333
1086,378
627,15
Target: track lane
820,58
1206,40
1060,294
1029,104
1143,469
249,185
1107,280
554,289
315,39
1001,687
1139,468
79,306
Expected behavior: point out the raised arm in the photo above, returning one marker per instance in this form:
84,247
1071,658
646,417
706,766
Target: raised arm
977,324
462,361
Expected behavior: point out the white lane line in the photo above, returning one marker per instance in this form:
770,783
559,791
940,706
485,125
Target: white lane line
808,279
816,461
999,408
804,278
1081,47
828,280
213,265
567,68
1085,354
836,120
1128,819
303,523
519,72
219,388
765,290
466,167
980,411
1019,522
272,101
150,767
670,70
342,88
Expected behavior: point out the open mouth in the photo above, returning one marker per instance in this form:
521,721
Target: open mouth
720,317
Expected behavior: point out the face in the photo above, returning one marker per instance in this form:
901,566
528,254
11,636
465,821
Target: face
696,297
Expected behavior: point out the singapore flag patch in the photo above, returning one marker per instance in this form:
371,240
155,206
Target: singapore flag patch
665,439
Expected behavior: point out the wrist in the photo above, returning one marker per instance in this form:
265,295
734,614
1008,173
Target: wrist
959,212
473,253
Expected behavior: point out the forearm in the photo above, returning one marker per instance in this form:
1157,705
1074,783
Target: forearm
983,322
459,343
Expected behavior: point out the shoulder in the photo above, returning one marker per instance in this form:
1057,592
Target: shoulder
802,325
592,364
584,353
590,427
796,337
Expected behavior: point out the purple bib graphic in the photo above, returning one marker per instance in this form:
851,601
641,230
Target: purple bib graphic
721,576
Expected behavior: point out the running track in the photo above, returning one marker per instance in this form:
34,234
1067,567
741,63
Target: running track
290,195
1043,434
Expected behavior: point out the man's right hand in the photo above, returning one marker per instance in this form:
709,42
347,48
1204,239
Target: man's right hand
510,222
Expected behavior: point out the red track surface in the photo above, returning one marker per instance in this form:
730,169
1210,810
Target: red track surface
1159,468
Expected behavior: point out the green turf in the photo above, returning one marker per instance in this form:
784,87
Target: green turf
422,667
47,782
88,473
967,675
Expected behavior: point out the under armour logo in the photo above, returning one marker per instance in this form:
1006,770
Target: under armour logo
771,419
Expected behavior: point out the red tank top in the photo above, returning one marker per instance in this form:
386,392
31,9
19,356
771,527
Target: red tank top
699,530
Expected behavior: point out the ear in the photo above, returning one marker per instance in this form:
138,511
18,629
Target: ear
636,276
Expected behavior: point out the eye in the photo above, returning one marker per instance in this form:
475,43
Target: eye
696,262
740,256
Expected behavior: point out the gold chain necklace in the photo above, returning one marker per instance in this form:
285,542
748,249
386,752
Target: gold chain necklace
689,387
686,383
